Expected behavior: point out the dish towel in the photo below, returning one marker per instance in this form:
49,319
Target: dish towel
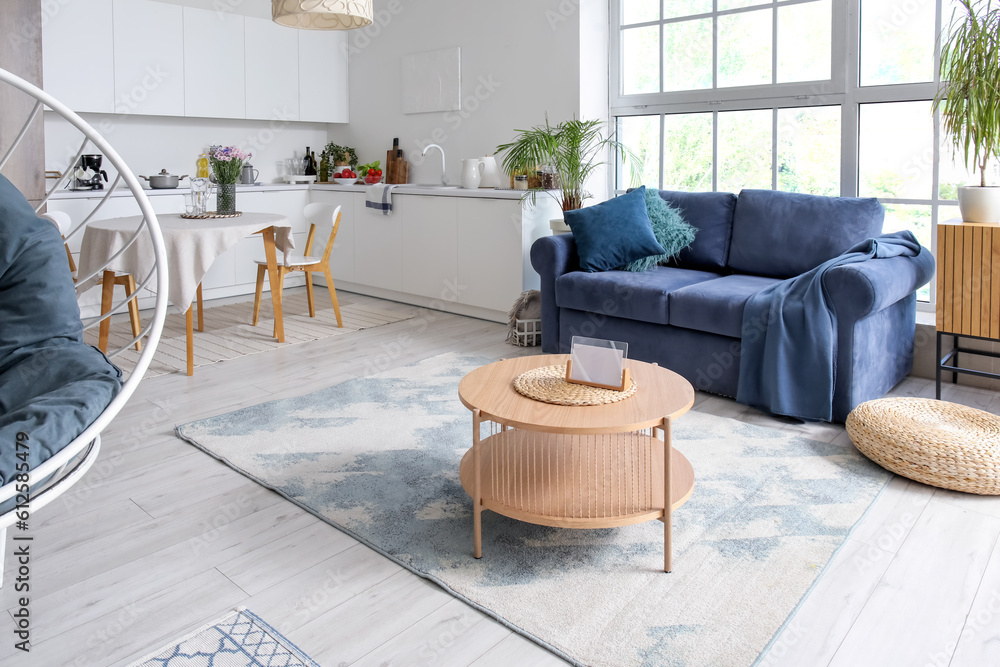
379,197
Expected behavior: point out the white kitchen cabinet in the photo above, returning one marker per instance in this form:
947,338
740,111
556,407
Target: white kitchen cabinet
271,56
378,245
430,247
342,255
149,63
214,78
78,54
323,76
489,250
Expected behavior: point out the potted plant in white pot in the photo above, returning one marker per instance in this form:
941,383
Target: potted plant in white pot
969,100
573,149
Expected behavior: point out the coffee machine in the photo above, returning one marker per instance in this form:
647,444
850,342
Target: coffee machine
87,174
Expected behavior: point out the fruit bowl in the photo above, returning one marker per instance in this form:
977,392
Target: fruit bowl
345,181
372,181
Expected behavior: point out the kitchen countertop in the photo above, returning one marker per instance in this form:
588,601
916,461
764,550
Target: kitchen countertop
433,191
402,189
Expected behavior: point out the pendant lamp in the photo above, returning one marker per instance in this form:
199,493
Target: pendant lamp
322,14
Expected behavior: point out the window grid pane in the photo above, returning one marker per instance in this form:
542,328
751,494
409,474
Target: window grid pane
641,60
744,150
745,43
687,152
809,150
642,136
896,150
897,42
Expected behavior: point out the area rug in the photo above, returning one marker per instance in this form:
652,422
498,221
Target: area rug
240,639
378,457
228,333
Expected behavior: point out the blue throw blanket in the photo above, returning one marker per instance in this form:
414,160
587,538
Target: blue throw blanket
787,366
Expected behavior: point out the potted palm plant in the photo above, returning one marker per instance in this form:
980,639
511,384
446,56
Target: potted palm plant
970,100
573,149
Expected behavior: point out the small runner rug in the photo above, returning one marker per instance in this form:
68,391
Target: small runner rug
228,333
241,639
378,457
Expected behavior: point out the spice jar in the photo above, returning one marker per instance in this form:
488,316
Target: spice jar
550,179
521,182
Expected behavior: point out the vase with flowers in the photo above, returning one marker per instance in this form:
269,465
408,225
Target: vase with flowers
227,163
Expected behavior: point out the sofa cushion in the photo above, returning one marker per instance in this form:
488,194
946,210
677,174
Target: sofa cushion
611,234
711,213
715,306
784,234
671,231
633,296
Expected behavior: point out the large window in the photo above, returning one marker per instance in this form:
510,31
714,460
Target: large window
816,96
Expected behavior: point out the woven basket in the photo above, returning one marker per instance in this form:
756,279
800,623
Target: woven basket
935,442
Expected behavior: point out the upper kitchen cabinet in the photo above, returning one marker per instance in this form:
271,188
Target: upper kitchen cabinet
149,63
323,76
272,59
214,80
78,55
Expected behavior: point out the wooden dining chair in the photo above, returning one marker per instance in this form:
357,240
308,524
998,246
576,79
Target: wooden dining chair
317,214
64,223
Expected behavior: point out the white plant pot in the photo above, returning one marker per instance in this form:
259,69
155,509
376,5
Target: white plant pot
559,226
979,204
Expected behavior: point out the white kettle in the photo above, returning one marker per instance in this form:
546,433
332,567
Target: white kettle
472,172
491,173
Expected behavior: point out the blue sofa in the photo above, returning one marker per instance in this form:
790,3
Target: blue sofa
688,316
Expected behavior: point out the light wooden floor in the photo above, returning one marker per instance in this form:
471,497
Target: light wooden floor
160,538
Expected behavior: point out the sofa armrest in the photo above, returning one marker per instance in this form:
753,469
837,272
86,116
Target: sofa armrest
859,290
551,257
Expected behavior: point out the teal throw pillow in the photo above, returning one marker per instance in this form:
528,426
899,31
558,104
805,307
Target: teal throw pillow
671,231
614,233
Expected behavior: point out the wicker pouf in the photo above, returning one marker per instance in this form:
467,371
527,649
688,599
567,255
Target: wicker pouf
935,442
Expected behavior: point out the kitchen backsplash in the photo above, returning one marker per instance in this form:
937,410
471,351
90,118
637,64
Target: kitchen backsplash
151,143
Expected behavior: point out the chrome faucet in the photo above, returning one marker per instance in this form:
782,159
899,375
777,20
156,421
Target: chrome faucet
444,177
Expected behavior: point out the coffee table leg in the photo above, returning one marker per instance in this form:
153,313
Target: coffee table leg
477,501
668,509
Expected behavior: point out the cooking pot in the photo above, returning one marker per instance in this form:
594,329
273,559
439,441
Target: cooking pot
163,180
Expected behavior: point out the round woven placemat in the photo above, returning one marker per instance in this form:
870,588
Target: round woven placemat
548,384
935,442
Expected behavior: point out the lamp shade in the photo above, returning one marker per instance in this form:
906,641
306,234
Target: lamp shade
322,14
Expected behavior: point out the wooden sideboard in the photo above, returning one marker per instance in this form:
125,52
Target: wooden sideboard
968,292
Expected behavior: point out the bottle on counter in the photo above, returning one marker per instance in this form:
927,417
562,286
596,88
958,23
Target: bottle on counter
315,164
308,164
202,167
324,169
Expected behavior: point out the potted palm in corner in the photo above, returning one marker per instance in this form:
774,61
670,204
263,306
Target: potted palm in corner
571,151
970,100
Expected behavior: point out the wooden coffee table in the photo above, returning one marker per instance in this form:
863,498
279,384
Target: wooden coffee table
575,466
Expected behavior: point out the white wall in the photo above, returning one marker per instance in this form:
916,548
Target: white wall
520,59
151,143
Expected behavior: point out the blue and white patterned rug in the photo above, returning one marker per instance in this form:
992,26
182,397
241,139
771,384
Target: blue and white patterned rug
378,457
240,639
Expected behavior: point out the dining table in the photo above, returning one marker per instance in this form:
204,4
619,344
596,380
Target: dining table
192,246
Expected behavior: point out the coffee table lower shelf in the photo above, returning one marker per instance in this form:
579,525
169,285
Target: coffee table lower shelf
572,481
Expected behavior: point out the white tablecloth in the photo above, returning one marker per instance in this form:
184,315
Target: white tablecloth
192,247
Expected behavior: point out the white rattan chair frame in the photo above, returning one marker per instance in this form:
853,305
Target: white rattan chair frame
53,477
